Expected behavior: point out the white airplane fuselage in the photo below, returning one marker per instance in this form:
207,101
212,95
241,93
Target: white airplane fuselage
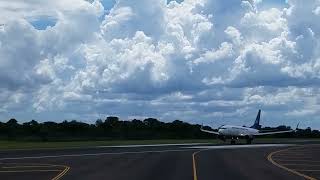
237,131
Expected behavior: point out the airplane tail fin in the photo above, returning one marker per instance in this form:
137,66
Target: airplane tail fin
256,124
297,128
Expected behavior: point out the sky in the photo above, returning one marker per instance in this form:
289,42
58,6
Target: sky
202,61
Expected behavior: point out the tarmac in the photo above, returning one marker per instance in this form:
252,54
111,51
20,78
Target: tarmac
171,162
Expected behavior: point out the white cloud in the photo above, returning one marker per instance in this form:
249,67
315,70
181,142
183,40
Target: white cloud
127,17
197,58
234,34
269,21
16,9
224,51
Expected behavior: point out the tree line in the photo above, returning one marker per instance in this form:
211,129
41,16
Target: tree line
112,128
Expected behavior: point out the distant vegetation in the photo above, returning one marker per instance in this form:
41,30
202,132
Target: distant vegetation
112,128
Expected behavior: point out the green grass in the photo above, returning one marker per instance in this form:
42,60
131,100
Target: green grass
7,145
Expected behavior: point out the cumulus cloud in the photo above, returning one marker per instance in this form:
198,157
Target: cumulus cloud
192,59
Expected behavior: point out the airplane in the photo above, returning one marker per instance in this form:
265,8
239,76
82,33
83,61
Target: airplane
235,132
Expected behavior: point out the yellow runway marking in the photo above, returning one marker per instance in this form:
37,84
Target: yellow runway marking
16,167
62,173
307,170
301,164
11,167
194,164
295,157
290,160
294,154
285,168
31,170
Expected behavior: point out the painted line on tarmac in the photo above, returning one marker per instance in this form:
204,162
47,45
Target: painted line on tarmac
144,152
153,145
194,164
308,170
64,172
32,166
295,157
206,148
240,146
106,146
31,170
301,164
292,160
93,154
285,168
18,167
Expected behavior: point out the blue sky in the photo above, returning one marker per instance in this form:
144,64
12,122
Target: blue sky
213,62
41,23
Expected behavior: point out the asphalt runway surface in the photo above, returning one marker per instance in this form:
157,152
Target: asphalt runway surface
186,162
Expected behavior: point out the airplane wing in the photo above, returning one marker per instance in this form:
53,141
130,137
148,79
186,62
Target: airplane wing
277,132
274,132
211,132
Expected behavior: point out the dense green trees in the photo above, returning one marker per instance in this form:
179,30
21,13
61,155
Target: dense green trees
113,128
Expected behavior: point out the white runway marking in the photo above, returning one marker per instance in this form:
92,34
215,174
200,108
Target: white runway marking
115,146
183,149
240,146
153,145
93,154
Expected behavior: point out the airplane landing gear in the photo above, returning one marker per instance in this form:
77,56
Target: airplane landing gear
249,139
233,141
222,138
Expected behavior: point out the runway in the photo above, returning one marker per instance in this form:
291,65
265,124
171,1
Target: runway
184,161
